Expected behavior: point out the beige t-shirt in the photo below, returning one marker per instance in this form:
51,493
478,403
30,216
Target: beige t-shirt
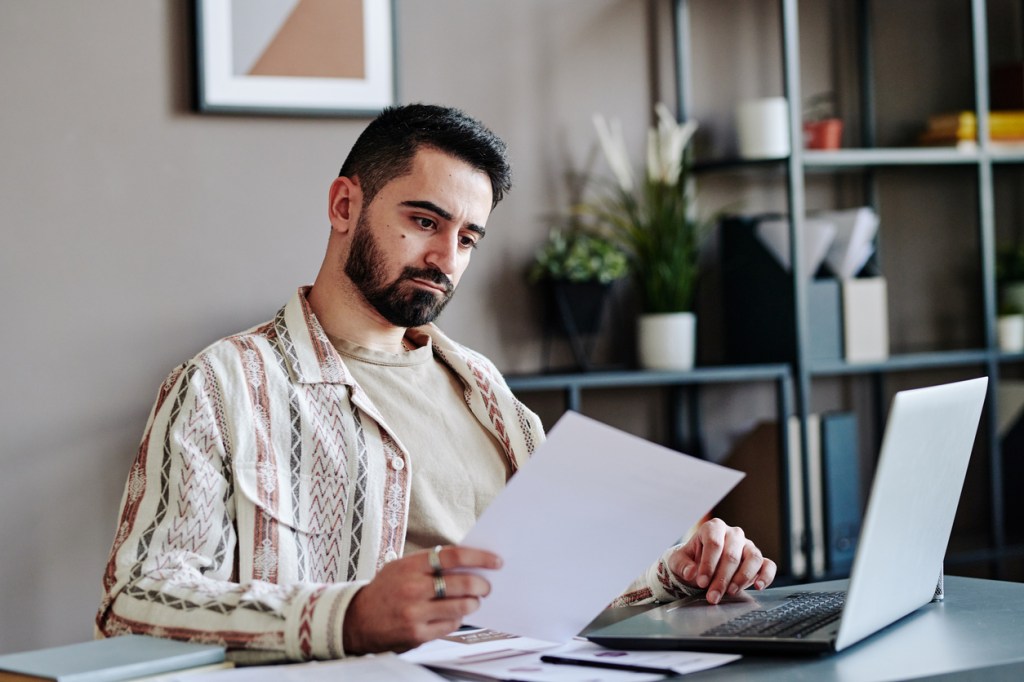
457,466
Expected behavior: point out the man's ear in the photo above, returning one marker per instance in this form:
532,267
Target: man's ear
344,202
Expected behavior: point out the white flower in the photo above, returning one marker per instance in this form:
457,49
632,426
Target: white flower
665,146
655,218
613,143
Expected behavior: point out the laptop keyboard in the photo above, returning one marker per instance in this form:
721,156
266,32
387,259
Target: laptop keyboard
802,613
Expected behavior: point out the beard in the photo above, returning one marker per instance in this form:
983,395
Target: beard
402,306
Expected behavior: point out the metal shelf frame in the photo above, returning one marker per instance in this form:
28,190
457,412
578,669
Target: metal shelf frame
980,156
903,363
683,396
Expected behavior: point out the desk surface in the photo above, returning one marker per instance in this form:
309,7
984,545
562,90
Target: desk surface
979,627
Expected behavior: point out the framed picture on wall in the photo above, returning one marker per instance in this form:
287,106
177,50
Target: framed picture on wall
300,57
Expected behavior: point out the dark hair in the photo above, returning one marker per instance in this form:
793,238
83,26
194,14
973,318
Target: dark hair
385,150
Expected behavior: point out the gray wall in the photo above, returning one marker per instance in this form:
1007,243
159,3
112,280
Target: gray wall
136,231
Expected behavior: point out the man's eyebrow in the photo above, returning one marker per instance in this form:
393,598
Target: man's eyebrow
434,208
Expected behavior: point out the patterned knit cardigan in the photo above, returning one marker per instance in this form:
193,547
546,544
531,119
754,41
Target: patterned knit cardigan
267,489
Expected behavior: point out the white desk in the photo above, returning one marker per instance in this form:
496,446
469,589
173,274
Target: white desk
977,633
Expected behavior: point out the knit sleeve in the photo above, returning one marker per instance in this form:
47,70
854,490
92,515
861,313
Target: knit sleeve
657,584
172,569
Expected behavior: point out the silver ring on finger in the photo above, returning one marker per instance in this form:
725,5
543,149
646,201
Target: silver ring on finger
434,557
440,589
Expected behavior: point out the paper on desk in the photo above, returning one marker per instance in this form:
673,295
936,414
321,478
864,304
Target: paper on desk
677,662
490,655
588,513
379,668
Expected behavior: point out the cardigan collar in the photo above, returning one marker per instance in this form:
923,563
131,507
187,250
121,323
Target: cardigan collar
312,358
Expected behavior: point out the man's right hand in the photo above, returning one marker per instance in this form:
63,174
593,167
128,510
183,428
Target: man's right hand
399,609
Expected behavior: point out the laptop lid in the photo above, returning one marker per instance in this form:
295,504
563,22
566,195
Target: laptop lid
921,469
926,447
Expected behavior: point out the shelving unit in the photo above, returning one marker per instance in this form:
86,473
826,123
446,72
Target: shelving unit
683,398
867,161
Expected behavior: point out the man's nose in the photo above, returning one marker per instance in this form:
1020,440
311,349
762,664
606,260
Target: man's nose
444,253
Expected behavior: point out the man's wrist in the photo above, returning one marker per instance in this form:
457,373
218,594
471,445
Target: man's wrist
351,644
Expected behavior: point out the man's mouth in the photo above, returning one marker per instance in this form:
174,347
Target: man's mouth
430,284
431,280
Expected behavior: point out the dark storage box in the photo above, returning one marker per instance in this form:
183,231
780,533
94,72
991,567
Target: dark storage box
757,294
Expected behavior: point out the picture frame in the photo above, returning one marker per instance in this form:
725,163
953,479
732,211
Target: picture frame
295,57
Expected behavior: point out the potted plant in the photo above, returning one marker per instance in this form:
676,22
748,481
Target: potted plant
822,128
1010,285
654,220
1010,327
577,266
1010,273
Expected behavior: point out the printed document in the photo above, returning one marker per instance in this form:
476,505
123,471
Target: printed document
490,655
588,513
378,668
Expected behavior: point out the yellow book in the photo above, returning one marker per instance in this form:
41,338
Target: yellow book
930,139
963,125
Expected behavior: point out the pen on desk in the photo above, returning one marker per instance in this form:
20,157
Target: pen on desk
632,667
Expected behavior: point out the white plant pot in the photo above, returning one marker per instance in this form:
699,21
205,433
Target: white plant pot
1010,330
667,340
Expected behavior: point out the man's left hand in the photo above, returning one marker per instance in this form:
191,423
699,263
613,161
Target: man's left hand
720,559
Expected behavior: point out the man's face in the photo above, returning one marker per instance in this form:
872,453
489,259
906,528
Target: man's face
414,241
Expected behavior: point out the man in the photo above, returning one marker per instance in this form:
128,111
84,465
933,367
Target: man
292,476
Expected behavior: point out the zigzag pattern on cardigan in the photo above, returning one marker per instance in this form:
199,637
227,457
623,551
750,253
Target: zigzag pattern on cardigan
329,494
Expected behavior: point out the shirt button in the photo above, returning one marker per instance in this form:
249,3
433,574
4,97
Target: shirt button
391,555
397,463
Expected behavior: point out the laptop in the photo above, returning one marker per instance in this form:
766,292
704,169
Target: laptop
921,468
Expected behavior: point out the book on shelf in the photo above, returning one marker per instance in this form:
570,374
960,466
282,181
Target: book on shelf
1004,146
841,490
756,502
833,485
965,123
129,657
962,126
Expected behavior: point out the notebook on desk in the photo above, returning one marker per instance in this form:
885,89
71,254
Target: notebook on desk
921,468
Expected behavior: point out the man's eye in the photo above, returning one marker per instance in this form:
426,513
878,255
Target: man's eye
467,242
426,223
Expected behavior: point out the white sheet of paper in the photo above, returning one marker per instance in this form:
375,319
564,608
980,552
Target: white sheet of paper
679,662
379,668
588,513
490,655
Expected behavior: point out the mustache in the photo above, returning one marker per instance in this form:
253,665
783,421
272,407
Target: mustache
430,274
